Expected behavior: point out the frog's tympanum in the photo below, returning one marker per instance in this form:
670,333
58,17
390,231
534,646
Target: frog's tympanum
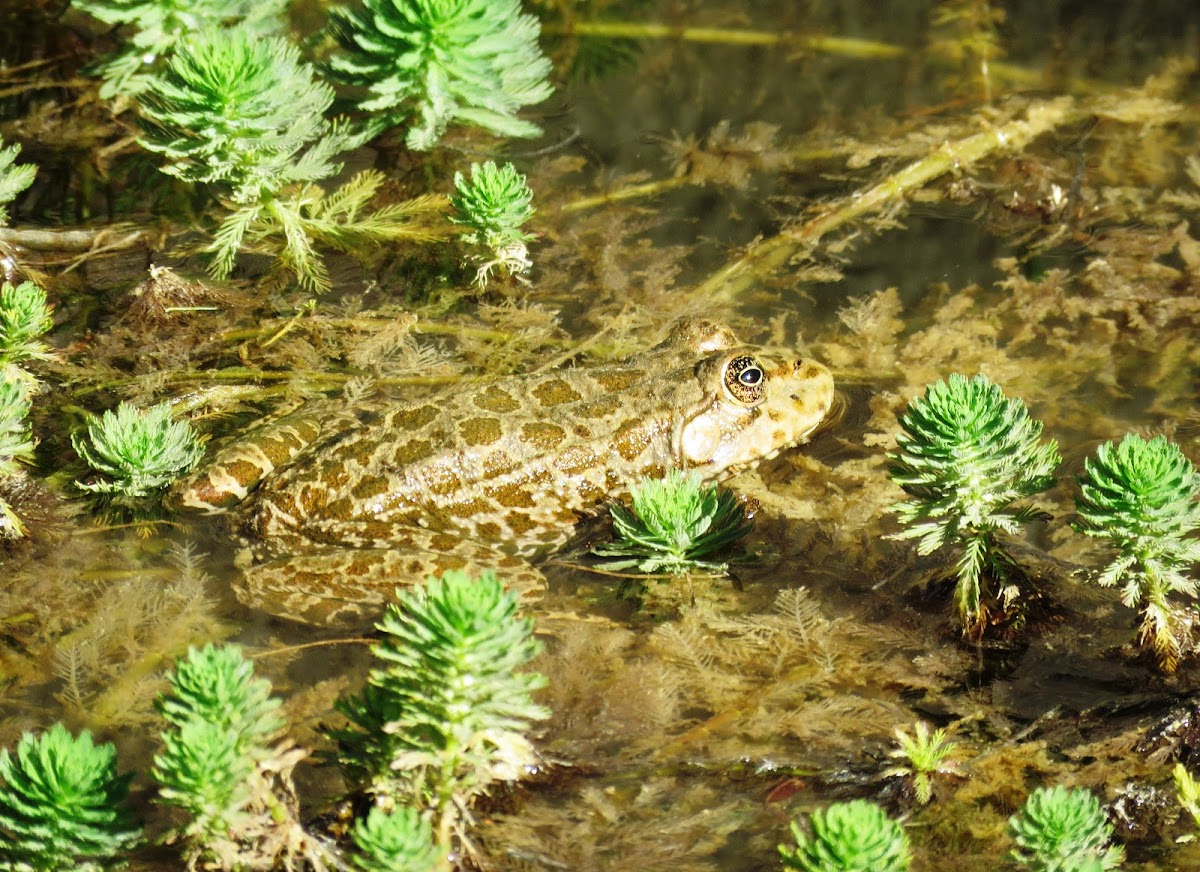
340,505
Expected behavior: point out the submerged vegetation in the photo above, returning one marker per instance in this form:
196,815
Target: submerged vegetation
444,716
676,525
1143,498
427,64
966,455
224,210
1060,830
137,451
63,806
849,837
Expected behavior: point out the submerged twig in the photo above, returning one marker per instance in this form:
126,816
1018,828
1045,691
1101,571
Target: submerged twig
764,257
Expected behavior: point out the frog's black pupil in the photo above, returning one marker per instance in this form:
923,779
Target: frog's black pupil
751,376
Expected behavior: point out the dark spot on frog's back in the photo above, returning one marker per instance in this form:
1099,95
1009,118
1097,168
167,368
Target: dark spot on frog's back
542,436
480,431
618,380
496,399
510,496
632,438
555,392
370,486
411,451
412,417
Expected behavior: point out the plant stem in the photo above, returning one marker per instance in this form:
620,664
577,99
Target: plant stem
771,254
838,46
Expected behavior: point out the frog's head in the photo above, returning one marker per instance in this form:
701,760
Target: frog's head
755,402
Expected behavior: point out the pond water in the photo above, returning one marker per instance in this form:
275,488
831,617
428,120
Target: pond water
900,190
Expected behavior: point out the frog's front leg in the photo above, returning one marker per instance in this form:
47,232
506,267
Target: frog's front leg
225,479
349,587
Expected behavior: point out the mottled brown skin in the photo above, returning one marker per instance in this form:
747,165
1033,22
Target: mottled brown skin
340,508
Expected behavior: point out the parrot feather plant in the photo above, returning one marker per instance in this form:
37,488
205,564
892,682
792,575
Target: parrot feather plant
1141,496
966,455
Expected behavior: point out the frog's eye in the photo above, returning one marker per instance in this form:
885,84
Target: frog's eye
745,380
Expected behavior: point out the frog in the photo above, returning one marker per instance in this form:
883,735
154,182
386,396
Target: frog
339,504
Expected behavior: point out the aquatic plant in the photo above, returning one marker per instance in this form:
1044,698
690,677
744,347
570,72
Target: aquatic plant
223,763
16,444
966,455
221,719
854,836
1143,497
492,206
158,25
445,714
1187,791
25,317
1060,830
400,839
14,177
141,451
432,63
925,754
62,804
676,524
244,115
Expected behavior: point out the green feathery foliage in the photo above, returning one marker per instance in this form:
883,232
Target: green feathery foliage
432,63
854,836
446,713
242,114
492,206
158,25
676,524
387,841
1060,830
924,754
16,445
966,455
140,451
1143,498
14,177
63,805
1187,791
216,684
25,317
221,721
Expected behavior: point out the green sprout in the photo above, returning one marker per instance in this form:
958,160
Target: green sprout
159,25
676,524
492,206
14,177
223,765
1060,830
1187,791
16,445
854,836
1141,496
966,455
62,804
445,714
432,63
243,115
387,841
24,318
925,754
141,452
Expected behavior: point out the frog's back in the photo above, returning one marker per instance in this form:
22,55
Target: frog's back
515,460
